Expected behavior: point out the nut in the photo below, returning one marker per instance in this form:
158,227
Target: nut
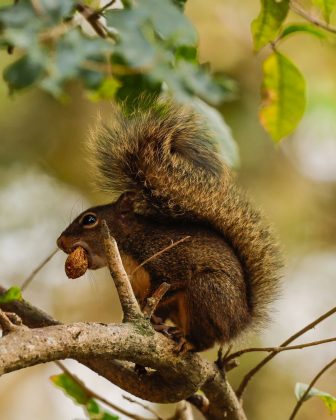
77,263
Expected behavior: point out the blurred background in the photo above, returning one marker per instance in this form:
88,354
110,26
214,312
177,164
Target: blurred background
45,182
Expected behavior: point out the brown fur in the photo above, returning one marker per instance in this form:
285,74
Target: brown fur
224,277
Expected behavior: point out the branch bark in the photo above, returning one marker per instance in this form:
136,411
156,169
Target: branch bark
109,349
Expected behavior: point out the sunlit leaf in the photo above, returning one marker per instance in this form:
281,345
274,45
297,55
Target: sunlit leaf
13,293
328,399
326,7
283,96
302,27
267,25
106,90
71,388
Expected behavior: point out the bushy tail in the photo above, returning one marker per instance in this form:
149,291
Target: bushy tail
166,155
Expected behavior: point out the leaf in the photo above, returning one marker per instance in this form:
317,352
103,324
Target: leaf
220,130
169,22
106,90
96,412
267,25
23,73
328,399
302,27
71,388
13,293
132,44
326,7
283,96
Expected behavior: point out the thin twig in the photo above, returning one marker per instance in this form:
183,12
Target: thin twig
93,394
127,298
312,383
28,280
277,349
145,406
106,6
92,18
256,369
159,253
153,301
312,19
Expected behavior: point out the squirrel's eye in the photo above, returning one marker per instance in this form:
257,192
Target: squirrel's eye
89,219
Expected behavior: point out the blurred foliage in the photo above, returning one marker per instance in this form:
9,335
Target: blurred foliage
76,390
119,53
283,88
13,293
146,48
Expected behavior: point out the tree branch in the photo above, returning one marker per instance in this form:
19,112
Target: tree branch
174,377
127,298
276,349
293,337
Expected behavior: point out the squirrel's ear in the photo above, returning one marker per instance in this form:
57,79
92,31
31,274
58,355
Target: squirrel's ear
125,202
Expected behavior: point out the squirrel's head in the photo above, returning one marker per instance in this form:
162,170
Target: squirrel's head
85,230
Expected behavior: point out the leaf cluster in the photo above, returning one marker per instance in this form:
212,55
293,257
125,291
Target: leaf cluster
283,89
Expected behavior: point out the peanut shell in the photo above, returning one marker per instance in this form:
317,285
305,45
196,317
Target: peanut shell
77,263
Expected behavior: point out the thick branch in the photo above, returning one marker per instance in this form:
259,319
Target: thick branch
188,373
175,378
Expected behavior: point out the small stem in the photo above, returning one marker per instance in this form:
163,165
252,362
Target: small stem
159,253
302,399
277,349
256,369
146,407
153,301
127,298
106,6
29,279
312,19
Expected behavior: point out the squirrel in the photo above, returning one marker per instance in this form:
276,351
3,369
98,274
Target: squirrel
171,183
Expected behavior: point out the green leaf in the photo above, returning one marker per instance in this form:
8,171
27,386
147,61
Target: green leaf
106,90
267,25
222,134
328,399
132,45
326,7
180,3
23,72
13,293
169,22
96,412
302,27
283,96
71,388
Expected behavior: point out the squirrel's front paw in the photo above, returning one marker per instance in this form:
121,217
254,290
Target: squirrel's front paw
174,333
